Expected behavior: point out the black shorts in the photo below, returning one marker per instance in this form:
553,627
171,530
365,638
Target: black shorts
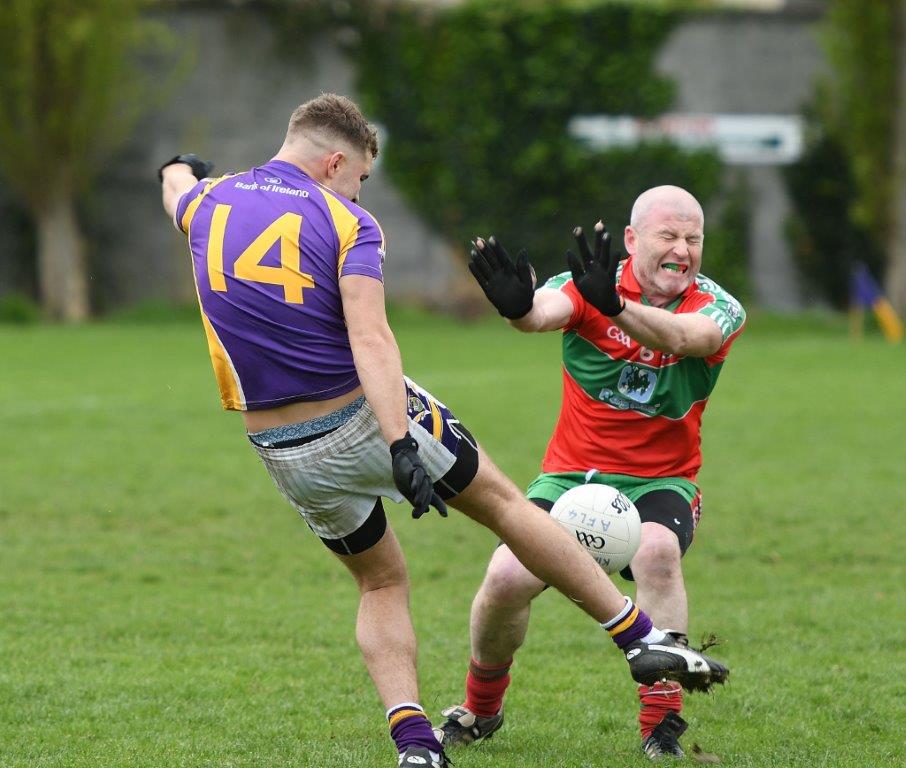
454,482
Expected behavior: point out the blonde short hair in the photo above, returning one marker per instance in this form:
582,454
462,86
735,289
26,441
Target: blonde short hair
336,117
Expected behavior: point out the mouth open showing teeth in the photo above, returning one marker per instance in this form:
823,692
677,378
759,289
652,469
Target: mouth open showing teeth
675,267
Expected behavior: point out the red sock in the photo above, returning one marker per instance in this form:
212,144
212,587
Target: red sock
485,687
656,701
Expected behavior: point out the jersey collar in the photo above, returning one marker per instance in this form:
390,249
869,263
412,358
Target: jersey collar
286,168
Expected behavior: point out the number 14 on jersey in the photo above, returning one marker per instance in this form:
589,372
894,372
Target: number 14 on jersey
287,230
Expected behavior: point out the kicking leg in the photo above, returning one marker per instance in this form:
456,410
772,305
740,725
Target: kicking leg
540,543
553,556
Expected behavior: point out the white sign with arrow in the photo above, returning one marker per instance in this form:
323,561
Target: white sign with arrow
738,139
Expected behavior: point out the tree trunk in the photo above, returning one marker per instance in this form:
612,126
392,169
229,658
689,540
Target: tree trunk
62,273
896,252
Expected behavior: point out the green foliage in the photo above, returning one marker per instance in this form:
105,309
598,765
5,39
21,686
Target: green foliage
858,103
727,243
824,236
476,101
842,187
16,309
74,79
155,312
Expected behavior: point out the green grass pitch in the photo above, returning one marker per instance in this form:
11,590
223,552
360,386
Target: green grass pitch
160,605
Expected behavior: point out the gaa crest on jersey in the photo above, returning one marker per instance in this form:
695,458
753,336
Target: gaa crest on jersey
637,383
417,409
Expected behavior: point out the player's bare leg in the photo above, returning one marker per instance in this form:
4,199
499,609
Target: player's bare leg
658,574
661,592
501,608
553,557
384,629
538,541
499,621
386,638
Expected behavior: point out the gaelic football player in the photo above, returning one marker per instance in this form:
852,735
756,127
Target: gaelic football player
289,273
644,341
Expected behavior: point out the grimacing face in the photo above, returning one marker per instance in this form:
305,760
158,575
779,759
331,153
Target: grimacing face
667,251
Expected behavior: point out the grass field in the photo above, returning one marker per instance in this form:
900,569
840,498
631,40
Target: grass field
160,605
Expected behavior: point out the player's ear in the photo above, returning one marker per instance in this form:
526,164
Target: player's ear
629,240
335,161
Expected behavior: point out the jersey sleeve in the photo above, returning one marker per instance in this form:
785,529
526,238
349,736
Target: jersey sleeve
180,219
362,251
564,283
727,312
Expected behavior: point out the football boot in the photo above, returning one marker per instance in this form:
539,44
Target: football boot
422,757
464,727
669,659
664,739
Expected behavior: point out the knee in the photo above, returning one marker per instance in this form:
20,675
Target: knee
508,584
391,574
658,558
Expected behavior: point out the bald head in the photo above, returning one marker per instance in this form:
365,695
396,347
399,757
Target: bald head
665,199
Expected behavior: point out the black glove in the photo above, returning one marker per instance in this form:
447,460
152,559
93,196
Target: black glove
411,477
509,287
596,275
201,169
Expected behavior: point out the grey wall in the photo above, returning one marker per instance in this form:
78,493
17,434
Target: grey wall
234,107
751,64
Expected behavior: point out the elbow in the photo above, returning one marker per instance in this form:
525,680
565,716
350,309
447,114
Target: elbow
535,321
372,338
523,324
691,345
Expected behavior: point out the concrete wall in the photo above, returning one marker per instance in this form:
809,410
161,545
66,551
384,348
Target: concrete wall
751,64
235,105
234,109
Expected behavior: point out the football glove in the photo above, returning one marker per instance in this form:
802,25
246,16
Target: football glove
595,275
411,477
509,287
201,169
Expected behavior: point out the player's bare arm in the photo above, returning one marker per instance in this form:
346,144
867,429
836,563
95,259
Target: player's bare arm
594,275
510,287
551,311
375,352
177,180
178,175
688,334
380,370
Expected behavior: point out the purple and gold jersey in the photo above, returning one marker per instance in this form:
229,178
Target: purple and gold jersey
268,249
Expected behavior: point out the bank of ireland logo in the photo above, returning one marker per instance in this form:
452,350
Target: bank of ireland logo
637,383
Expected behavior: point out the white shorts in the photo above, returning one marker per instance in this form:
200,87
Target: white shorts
334,481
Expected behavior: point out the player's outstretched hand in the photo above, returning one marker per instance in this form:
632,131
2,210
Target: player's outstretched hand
411,478
201,169
595,275
509,287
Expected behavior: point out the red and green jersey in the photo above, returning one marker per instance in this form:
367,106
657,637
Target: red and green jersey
628,409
